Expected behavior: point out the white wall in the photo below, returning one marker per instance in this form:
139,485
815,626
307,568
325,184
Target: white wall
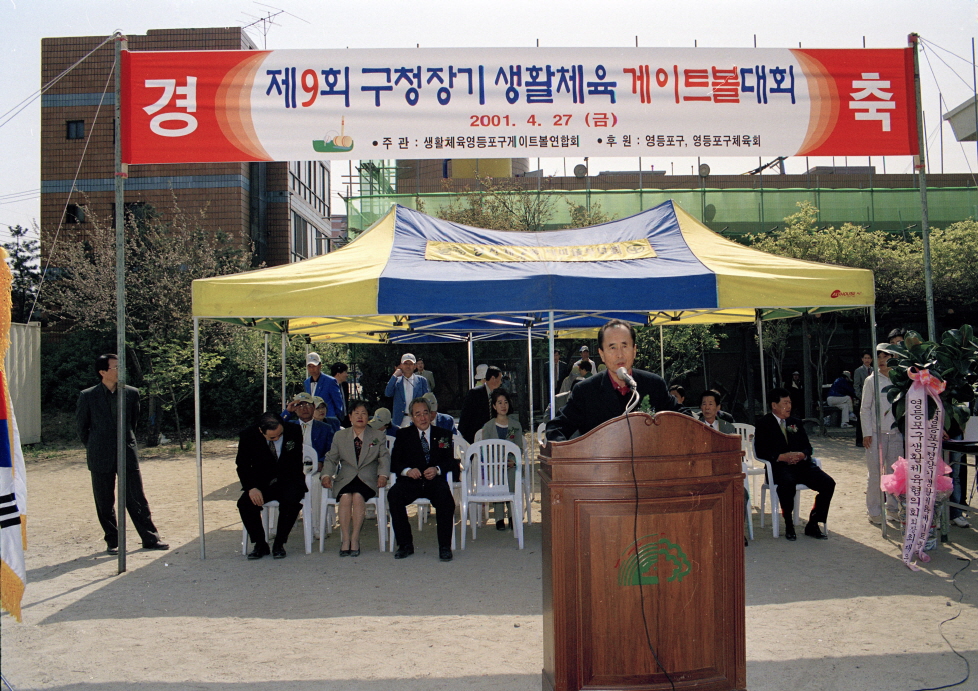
23,367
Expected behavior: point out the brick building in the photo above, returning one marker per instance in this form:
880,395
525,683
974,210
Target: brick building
280,209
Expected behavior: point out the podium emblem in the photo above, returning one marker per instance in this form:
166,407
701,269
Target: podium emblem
649,558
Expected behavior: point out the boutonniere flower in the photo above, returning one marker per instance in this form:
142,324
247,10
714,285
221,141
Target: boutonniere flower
373,443
443,445
289,445
793,429
511,436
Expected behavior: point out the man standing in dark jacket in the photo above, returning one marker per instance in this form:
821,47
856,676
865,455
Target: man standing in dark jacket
270,468
605,396
96,414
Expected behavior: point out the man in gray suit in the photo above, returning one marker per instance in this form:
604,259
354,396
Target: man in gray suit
96,414
710,413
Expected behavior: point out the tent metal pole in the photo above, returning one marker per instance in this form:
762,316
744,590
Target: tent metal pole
553,375
198,451
529,386
878,418
264,390
760,350
662,355
285,346
471,363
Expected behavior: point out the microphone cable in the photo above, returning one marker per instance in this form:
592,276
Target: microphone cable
638,560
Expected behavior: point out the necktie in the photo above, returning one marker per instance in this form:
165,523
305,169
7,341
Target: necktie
357,445
425,448
784,431
271,447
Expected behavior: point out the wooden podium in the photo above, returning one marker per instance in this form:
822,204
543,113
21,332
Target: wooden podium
676,554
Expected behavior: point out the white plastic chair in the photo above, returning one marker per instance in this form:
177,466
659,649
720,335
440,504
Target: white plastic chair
310,464
485,481
269,520
770,487
328,504
752,466
424,505
748,514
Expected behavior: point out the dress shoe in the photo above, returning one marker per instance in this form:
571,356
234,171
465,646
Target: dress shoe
403,552
156,545
278,552
811,530
259,551
500,525
789,533
444,554
344,552
355,552
112,549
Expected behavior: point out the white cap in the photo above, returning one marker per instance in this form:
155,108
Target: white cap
313,359
407,357
480,371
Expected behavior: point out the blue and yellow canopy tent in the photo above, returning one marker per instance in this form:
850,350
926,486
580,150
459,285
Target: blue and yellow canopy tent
412,278
413,273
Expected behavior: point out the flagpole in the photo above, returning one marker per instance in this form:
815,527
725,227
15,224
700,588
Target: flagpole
121,174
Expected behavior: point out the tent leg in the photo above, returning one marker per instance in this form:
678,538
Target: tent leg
264,389
198,452
285,347
553,384
529,386
662,355
471,363
878,420
760,350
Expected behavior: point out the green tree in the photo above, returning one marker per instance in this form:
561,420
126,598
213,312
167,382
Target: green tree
684,347
23,255
163,257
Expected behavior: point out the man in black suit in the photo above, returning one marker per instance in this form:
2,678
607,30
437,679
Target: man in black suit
476,409
604,396
270,468
782,440
96,414
561,370
421,461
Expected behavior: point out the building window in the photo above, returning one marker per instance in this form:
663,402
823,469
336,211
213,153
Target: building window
300,237
75,214
322,243
75,129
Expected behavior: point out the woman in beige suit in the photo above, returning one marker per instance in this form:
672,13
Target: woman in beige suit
356,465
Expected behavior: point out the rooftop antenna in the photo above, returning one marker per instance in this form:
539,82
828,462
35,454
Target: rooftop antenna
266,22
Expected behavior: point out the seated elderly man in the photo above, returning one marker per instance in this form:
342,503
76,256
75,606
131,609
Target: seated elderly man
781,440
269,464
316,434
381,421
422,458
841,395
443,420
710,412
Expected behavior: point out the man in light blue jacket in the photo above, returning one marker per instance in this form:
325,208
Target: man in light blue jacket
405,385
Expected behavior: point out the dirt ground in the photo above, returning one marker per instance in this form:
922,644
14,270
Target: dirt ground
842,614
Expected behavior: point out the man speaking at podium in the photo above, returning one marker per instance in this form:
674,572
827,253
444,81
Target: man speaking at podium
606,394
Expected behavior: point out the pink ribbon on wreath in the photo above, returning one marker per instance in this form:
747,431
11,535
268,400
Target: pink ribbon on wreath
923,451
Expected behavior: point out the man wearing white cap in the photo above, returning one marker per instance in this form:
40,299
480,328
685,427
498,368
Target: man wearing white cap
315,433
404,386
325,386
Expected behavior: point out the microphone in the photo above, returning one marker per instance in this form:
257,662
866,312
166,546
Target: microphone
626,377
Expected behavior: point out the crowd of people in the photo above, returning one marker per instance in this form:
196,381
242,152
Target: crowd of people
353,461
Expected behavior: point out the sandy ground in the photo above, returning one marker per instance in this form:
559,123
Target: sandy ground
841,614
